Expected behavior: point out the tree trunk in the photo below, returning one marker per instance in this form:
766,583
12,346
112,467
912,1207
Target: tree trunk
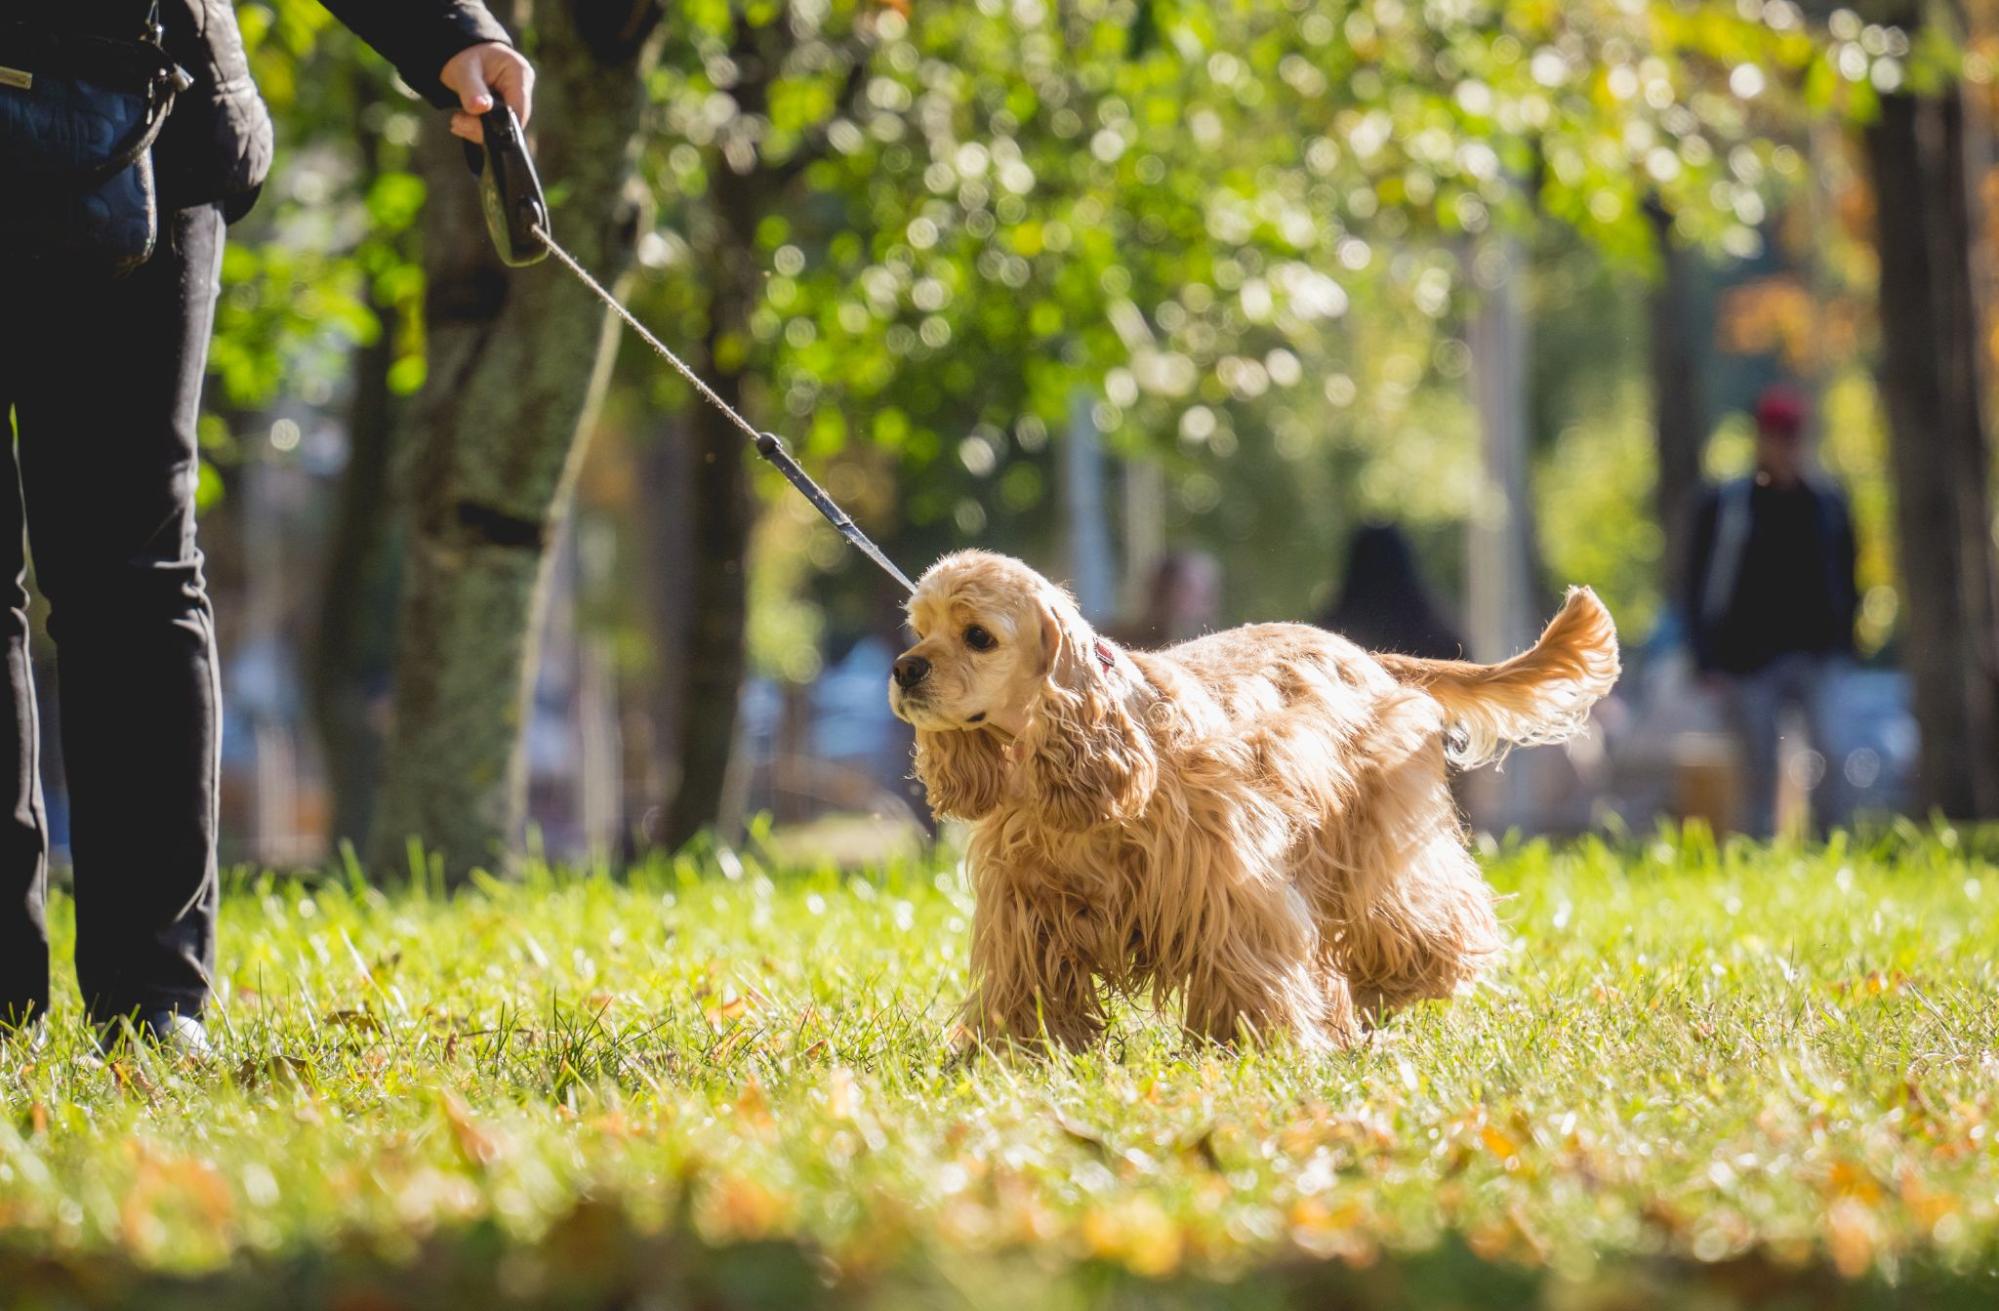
518,362
668,570
743,187
351,653
1500,594
713,655
353,647
1679,394
1940,451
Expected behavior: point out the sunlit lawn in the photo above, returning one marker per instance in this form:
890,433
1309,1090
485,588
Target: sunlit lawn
1702,1075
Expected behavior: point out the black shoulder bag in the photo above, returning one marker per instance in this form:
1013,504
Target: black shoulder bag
79,112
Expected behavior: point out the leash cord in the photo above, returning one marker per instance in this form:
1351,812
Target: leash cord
768,444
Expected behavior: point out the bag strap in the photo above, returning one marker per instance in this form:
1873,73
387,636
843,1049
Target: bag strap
137,142
164,81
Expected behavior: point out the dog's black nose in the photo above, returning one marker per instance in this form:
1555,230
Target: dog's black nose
911,670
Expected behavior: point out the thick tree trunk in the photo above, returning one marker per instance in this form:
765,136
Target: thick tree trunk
1941,453
1679,393
518,361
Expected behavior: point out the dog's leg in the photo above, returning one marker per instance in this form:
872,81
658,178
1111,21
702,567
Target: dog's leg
1407,914
1434,931
1345,1022
1262,1000
1030,975
1258,974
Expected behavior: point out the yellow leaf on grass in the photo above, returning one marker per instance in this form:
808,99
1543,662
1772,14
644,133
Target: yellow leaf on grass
1846,1179
165,1187
1138,1234
210,1192
1850,1237
741,1209
479,1147
753,1107
1325,1232
1498,1142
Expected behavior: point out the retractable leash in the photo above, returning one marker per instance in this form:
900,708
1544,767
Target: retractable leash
517,219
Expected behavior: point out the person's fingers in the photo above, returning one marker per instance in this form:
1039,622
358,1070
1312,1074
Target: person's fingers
479,75
514,80
473,92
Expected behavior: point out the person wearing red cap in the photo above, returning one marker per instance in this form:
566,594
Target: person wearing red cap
1771,599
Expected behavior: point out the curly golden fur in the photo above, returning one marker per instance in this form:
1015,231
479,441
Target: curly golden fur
1255,824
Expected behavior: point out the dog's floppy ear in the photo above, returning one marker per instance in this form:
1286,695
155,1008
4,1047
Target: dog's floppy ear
1084,761
963,772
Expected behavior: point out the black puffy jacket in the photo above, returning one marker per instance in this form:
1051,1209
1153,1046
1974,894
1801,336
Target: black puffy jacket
217,144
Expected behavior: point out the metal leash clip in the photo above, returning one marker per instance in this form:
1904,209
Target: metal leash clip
509,190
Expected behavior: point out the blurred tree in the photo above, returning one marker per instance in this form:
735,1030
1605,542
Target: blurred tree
348,668
1680,417
517,365
1932,377
747,183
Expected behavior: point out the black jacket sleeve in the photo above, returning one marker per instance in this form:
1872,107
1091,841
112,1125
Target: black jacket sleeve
420,36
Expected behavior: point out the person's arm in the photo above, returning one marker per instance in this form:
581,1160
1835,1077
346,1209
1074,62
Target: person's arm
454,53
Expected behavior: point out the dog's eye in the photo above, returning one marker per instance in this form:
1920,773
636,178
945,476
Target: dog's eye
979,639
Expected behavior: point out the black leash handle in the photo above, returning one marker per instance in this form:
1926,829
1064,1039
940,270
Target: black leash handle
509,189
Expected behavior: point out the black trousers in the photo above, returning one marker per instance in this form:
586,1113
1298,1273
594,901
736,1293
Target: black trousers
104,381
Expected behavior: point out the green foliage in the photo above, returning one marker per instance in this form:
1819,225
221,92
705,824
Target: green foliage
1234,239
1238,233
1700,1058
325,256
1598,472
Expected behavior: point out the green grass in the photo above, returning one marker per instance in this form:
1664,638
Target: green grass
1704,1076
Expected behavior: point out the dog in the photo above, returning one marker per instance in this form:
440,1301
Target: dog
1255,825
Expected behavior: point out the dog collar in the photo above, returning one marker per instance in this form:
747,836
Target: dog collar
1105,656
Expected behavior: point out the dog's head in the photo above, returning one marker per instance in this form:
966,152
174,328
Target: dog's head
1009,692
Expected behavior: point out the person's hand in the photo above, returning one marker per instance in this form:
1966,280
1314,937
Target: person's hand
476,73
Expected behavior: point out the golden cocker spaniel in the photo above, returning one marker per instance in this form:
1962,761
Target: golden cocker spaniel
1255,823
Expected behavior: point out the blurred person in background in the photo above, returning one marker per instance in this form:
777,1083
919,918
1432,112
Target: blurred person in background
104,391
1384,604
1771,602
1182,600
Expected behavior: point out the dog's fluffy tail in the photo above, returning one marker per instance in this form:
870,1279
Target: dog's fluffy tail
1541,695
